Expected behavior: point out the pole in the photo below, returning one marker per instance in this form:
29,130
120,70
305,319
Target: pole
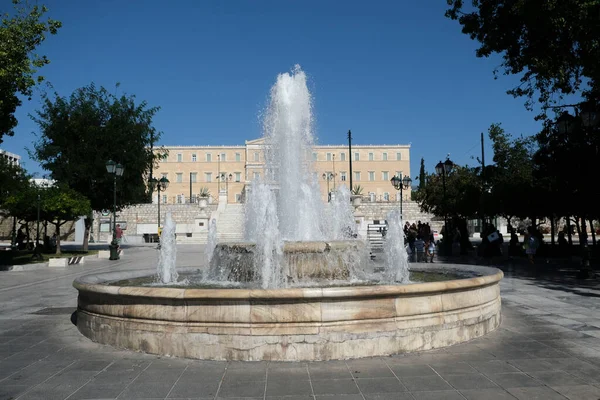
446,238
219,172
190,187
37,235
482,182
13,242
350,156
158,220
333,172
401,187
115,208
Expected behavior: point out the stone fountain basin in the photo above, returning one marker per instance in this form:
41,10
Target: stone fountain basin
327,323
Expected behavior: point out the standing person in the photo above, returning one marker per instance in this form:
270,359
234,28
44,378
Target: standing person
119,234
431,248
531,244
420,248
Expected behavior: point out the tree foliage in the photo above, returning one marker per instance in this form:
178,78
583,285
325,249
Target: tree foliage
20,34
554,46
13,179
79,134
422,178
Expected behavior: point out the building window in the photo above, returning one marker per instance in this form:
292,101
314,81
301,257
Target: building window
164,199
315,157
223,157
256,175
386,196
371,157
342,156
357,176
179,199
328,156
399,174
256,156
208,157
193,177
385,175
238,197
179,177
238,157
384,156
194,158
238,176
179,157
356,156
165,175
371,175
343,176
398,156
208,176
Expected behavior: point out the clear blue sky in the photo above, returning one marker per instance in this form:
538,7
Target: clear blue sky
391,71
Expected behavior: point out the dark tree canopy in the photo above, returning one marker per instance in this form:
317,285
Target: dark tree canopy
554,46
13,179
79,134
20,34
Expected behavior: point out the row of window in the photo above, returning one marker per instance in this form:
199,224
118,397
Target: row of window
331,157
328,156
372,196
209,157
237,176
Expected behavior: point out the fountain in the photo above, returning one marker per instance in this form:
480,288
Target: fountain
301,286
167,259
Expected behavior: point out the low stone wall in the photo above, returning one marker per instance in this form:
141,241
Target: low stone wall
67,231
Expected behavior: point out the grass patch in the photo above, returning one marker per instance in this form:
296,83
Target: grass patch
22,257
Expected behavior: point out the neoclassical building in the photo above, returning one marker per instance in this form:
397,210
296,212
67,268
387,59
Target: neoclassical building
190,168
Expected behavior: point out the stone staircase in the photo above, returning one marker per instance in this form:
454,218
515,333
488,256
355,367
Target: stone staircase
230,223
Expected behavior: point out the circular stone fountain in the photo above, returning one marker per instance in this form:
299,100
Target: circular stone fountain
302,286
292,324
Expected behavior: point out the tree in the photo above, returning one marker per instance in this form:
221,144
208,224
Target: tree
512,190
13,179
554,46
79,134
20,35
61,205
422,179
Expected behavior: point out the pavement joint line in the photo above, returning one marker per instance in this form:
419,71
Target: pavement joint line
223,378
178,378
312,389
89,380
44,381
133,380
354,380
20,369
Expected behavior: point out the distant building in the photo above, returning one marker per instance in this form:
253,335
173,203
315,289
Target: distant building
13,159
193,167
42,182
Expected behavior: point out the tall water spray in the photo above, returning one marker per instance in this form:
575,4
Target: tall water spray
167,259
395,252
341,216
288,133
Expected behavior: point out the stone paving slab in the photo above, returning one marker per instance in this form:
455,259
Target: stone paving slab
547,347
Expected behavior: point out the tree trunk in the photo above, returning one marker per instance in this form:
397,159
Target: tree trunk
88,221
57,238
593,230
584,235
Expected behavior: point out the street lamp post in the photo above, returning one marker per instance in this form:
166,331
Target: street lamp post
328,177
226,178
443,169
158,184
114,169
401,184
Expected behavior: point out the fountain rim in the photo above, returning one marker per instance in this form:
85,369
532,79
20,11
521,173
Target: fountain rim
98,283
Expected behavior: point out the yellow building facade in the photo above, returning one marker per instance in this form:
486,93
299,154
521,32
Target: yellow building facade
228,169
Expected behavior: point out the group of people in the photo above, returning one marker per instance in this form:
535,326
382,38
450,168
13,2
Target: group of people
420,241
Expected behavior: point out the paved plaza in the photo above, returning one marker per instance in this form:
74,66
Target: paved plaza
548,347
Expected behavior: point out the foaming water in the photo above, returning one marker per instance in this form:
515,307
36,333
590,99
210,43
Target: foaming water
396,257
341,216
211,241
167,258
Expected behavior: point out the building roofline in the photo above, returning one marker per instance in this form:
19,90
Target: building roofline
354,146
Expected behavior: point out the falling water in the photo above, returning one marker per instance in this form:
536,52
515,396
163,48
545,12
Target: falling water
341,216
211,241
167,259
395,252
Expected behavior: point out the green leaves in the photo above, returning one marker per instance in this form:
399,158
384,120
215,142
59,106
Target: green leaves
20,35
79,134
